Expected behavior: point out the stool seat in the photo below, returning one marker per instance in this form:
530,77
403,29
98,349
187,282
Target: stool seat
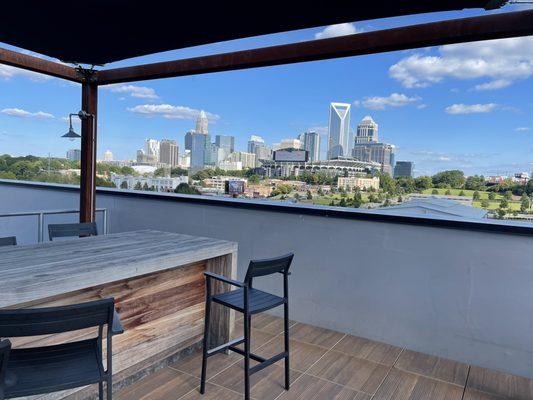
258,300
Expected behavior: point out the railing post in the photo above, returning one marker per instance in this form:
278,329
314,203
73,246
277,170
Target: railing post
40,227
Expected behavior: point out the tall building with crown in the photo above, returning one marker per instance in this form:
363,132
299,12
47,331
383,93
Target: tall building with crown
202,123
339,141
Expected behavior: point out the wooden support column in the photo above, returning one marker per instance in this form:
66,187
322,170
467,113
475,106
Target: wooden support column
89,104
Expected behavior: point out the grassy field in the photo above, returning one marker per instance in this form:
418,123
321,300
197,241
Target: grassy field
468,193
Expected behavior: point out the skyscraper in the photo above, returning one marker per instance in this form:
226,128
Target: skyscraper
339,130
151,151
202,123
188,140
108,156
225,145
74,155
199,145
168,152
311,143
257,146
404,168
367,131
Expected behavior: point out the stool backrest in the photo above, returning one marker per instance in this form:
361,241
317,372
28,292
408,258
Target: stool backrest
8,241
69,230
44,321
5,348
269,266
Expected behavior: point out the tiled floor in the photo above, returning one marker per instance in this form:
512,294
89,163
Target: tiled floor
328,365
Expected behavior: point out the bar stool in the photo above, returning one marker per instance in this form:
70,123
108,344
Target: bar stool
249,301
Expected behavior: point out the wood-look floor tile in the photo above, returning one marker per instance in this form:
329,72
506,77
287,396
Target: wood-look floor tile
368,349
302,355
259,337
471,394
192,364
500,384
212,392
312,388
266,384
356,373
269,323
315,335
433,367
401,385
165,384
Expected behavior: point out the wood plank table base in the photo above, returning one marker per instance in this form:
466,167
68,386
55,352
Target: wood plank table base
162,313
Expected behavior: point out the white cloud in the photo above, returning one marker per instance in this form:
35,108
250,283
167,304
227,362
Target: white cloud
170,112
471,108
494,85
141,92
7,72
337,30
381,103
522,129
502,62
19,113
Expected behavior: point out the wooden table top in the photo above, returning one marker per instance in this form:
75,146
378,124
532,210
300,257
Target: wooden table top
34,272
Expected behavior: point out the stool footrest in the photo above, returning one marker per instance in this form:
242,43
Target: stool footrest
252,356
225,346
268,362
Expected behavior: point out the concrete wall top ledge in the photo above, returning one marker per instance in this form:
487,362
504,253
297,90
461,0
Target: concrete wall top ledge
512,227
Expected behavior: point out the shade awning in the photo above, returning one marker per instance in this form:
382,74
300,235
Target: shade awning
100,32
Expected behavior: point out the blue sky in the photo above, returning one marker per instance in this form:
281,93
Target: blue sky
464,106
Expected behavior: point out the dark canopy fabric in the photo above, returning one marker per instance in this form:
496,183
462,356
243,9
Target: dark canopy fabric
103,31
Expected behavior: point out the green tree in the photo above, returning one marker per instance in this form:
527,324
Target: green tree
185,188
254,179
508,195
475,182
387,183
145,186
504,203
462,193
342,203
138,186
492,196
124,185
177,171
309,195
501,213
476,195
485,203
448,192
434,191
320,192
524,203
454,179
423,183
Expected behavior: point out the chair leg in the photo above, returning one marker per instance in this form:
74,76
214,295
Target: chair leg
109,389
100,390
205,343
286,329
247,326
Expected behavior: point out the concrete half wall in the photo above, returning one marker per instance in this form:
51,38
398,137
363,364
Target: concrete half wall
460,294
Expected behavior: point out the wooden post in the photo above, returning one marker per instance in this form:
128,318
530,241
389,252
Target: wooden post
89,104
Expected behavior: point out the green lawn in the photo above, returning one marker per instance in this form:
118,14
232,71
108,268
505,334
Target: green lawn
468,193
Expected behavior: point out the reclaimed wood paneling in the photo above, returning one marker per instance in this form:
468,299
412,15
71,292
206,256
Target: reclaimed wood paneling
161,302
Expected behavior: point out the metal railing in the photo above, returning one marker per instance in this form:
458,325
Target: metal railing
41,214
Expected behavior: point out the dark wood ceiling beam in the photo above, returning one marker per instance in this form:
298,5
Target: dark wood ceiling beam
495,26
36,64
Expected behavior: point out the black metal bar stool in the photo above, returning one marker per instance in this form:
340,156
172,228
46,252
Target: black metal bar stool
249,301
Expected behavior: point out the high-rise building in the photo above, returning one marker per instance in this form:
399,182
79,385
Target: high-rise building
169,152
339,130
248,160
225,145
151,151
367,131
382,153
199,146
257,146
367,146
202,123
289,144
108,156
188,140
311,143
404,168
74,155
185,159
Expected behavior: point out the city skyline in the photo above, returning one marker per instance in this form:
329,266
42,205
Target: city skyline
439,111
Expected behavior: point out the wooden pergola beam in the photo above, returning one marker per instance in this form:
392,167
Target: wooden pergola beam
496,26
36,64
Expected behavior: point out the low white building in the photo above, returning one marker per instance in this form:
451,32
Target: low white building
219,182
160,184
348,183
230,165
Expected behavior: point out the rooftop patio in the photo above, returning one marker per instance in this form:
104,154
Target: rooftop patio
329,365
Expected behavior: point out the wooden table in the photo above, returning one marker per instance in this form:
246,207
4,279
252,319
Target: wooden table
155,277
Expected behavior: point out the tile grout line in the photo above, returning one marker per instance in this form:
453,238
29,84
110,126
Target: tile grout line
388,373
466,382
312,365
